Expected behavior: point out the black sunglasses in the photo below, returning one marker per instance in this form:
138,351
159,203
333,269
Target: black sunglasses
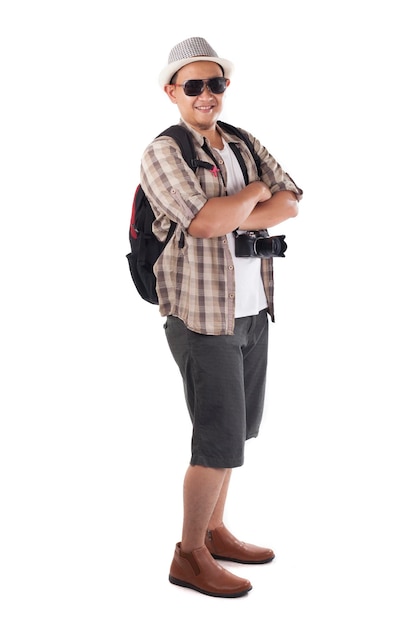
195,87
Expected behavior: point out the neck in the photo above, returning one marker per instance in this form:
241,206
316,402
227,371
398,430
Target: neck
214,137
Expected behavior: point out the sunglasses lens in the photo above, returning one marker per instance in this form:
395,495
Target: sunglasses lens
196,87
193,87
217,85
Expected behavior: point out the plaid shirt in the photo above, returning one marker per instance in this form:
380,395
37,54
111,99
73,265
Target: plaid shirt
195,281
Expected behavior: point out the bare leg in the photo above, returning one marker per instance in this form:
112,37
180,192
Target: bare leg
203,487
217,516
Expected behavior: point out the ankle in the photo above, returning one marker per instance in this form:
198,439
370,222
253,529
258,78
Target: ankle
187,547
213,524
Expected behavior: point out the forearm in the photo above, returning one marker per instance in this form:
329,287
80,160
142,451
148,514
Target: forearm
223,215
280,207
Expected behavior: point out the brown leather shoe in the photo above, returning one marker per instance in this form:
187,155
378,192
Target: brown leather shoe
199,571
223,545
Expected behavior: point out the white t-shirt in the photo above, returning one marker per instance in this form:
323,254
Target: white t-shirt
250,295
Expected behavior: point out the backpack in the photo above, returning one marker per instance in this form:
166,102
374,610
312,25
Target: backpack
145,247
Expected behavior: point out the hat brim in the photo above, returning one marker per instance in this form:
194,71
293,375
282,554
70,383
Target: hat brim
171,69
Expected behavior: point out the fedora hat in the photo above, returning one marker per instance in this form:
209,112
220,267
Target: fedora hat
190,51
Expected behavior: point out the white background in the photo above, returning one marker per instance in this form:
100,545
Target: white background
94,433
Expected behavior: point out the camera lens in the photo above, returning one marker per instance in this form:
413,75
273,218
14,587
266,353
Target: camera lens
270,246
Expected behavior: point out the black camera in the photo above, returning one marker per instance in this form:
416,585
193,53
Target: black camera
256,243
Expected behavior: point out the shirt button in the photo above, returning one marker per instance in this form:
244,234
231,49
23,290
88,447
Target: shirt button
231,295
230,267
224,241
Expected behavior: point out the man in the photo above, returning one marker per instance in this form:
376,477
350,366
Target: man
215,301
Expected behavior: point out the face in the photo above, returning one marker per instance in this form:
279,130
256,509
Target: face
200,112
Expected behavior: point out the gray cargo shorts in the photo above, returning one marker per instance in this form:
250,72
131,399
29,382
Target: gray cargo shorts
224,380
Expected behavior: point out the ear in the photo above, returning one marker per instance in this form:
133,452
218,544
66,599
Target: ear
170,91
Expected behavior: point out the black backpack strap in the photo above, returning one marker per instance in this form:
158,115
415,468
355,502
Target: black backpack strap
216,163
232,130
241,161
184,139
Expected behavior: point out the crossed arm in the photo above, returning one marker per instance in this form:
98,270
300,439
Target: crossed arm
253,208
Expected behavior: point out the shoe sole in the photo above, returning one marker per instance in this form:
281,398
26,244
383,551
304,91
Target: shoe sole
226,558
183,583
